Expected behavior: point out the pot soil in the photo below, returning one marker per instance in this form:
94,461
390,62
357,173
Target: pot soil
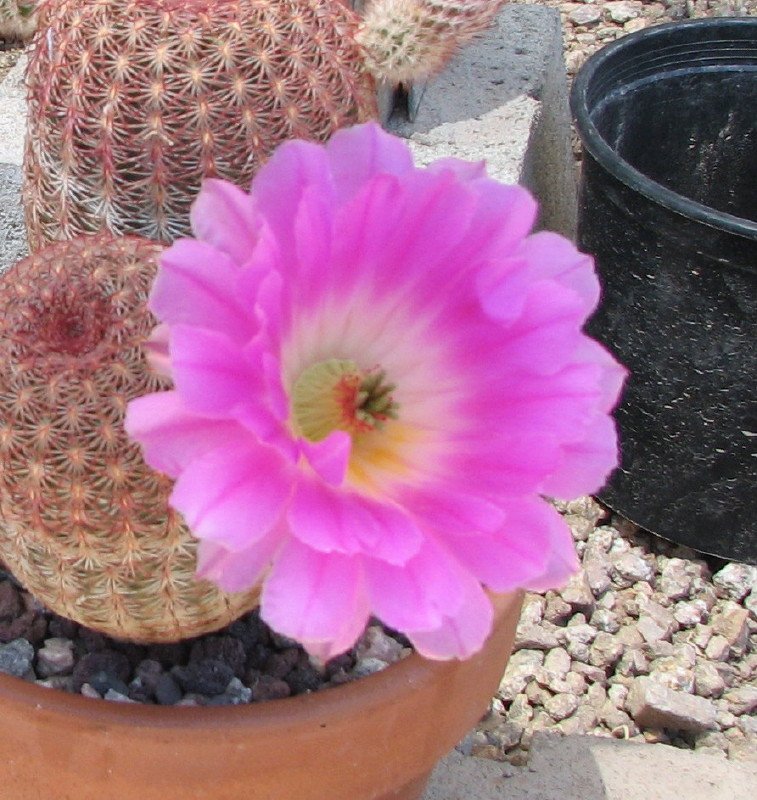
668,206
377,738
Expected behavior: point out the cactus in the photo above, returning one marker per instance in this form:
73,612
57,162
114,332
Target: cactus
132,102
84,523
17,19
412,40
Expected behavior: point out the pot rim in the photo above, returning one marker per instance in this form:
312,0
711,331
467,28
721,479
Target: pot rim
327,705
618,167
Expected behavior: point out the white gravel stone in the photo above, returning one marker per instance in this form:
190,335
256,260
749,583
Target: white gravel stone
535,637
630,568
621,11
718,648
578,594
731,622
557,661
55,658
736,581
742,699
653,705
707,680
561,706
605,650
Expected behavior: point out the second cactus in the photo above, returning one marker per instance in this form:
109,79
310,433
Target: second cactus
133,102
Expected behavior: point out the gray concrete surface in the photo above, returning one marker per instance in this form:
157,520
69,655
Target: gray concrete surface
503,99
593,768
12,122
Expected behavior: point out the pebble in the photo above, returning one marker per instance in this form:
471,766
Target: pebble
55,658
207,677
741,699
101,666
16,658
735,581
707,680
652,704
560,706
585,15
629,568
167,691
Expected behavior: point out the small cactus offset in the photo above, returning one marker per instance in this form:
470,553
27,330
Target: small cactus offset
17,19
133,102
411,40
85,524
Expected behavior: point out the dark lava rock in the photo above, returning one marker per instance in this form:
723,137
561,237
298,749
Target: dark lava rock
208,677
168,654
103,682
10,601
304,679
149,672
28,626
279,665
110,662
227,649
62,628
269,688
167,691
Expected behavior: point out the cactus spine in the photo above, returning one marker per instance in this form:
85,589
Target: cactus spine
84,523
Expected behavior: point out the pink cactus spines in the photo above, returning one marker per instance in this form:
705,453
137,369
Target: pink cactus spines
133,102
85,524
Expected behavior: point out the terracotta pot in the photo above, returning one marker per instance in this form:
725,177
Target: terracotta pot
375,739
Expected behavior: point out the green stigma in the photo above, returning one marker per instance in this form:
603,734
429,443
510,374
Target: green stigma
336,395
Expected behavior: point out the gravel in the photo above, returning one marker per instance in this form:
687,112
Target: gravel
244,663
663,651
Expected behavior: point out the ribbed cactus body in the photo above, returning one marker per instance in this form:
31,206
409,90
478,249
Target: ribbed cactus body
84,523
17,19
411,40
132,102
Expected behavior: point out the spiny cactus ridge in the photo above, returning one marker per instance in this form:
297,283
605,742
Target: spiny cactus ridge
133,102
411,40
84,523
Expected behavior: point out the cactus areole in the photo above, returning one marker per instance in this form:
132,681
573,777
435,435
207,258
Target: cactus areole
85,524
133,102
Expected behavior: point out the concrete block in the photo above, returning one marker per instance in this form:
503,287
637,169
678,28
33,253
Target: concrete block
12,125
503,99
594,768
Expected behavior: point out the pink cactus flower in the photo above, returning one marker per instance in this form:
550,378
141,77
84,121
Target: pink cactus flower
378,373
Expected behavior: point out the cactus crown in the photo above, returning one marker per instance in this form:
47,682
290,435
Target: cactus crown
84,523
411,40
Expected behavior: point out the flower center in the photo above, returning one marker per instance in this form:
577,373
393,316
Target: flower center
336,395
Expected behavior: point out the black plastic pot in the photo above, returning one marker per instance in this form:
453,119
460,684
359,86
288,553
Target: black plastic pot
668,207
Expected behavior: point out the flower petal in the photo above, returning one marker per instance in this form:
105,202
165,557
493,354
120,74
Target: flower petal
171,436
234,495
329,457
317,599
225,217
416,595
334,521
237,571
562,560
361,152
461,634
198,284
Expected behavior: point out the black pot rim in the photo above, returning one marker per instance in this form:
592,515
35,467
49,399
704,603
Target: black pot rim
601,152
